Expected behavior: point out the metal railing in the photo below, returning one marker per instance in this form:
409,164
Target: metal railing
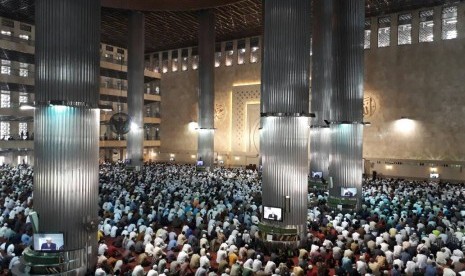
113,86
113,60
9,71
17,39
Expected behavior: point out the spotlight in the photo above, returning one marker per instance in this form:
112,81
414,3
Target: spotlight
26,106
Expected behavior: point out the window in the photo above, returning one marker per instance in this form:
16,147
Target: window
23,69
404,30
174,61
218,59
241,52
23,72
22,159
229,53
109,48
22,130
164,62
195,59
156,62
24,27
449,23
5,130
23,36
184,59
8,23
384,31
120,51
6,67
254,49
5,99
367,42
426,26
218,55
23,98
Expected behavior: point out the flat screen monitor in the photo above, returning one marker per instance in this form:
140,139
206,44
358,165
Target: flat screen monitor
348,192
199,163
434,175
272,213
317,175
48,242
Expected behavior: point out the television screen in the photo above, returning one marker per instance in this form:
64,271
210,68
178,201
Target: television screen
318,175
48,242
199,163
348,192
434,175
272,213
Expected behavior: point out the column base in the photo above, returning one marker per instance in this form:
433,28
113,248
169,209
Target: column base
343,204
53,263
272,236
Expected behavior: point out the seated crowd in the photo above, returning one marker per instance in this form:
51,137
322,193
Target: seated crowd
172,220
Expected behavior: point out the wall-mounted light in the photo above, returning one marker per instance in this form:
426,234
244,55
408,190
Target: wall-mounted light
237,158
193,126
26,106
433,169
388,167
405,125
287,204
193,156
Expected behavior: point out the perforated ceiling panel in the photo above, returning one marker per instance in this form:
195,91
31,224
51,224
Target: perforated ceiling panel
172,30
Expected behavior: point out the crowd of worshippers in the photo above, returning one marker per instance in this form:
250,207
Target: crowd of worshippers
172,220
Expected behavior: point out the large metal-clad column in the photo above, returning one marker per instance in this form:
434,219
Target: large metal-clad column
322,62
135,145
284,111
66,127
347,101
206,131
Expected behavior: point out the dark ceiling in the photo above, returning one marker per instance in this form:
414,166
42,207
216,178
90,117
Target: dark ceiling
177,29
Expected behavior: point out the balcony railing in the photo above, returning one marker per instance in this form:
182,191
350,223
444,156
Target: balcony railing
113,60
8,71
17,39
153,114
113,86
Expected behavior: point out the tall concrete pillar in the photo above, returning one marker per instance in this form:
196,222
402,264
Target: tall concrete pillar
347,103
66,128
135,144
206,132
284,112
322,62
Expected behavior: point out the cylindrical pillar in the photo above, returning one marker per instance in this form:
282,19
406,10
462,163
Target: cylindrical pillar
205,149
66,128
135,144
322,62
347,105
284,112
